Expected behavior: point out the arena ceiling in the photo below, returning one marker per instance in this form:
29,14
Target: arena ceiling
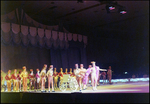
86,13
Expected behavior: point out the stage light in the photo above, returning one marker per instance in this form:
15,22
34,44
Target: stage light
122,10
125,72
111,7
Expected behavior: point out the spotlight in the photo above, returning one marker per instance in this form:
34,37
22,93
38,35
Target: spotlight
122,10
111,7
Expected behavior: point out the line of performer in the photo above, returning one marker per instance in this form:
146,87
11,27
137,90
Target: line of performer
39,79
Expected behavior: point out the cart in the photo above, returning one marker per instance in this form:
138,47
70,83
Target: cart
68,81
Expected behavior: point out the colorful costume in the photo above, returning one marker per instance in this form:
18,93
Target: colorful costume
85,79
43,77
50,77
60,74
24,76
81,75
55,75
9,79
15,81
95,74
37,78
19,80
76,72
32,79
109,74
66,71
70,72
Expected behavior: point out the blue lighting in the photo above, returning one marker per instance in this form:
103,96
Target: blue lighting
127,80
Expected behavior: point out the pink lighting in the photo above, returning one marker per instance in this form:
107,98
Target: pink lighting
111,8
123,12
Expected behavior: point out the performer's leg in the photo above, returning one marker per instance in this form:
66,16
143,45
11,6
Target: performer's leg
85,82
52,84
30,85
17,85
110,79
92,80
25,84
34,85
42,84
48,83
20,84
103,79
80,83
14,84
95,83
8,85
55,82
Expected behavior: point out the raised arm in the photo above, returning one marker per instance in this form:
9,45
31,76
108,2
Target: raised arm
102,69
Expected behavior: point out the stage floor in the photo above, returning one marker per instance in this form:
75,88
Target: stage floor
135,92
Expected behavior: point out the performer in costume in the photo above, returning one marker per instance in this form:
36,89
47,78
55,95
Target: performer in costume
15,81
76,72
24,76
37,79
66,71
43,78
103,74
94,74
86,77
60,74
9,80
70,71
50,78
73,75
109,74
55,75
19,79
32,79
81,75
89,77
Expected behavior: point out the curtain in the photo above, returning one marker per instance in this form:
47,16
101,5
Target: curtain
67,58
14,57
